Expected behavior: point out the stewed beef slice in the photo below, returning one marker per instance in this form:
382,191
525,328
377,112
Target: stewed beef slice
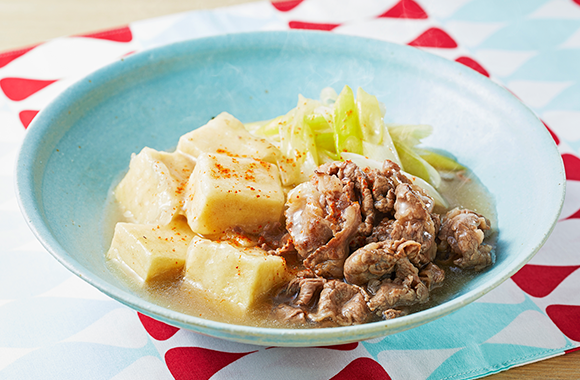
341,303
405,290
296,298
289,314
329,302
374,260
305,219
385,181
323,216
414,221
432,276
462,232
276,240
328,260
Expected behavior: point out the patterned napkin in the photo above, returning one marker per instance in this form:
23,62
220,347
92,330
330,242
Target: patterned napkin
54,326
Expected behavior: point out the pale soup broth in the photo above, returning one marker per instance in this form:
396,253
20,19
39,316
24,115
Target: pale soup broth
461,189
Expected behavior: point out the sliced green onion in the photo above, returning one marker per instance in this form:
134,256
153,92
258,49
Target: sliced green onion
415,165
348,135
439,161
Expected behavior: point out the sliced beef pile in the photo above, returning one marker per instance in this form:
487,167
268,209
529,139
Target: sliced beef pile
367,241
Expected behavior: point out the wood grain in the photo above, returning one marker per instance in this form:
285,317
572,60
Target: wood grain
28,22
564,367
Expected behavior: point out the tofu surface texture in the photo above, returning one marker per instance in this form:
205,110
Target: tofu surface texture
224,192
149,251
227,135
236,278
152,191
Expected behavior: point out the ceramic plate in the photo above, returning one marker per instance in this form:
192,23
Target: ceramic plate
78,145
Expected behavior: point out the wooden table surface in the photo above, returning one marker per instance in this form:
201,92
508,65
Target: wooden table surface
27,22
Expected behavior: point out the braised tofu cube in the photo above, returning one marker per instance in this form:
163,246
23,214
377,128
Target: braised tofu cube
236,278
151,252
225,192
227,135
152,191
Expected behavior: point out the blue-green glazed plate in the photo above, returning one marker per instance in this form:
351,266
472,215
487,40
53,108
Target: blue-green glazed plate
79,144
